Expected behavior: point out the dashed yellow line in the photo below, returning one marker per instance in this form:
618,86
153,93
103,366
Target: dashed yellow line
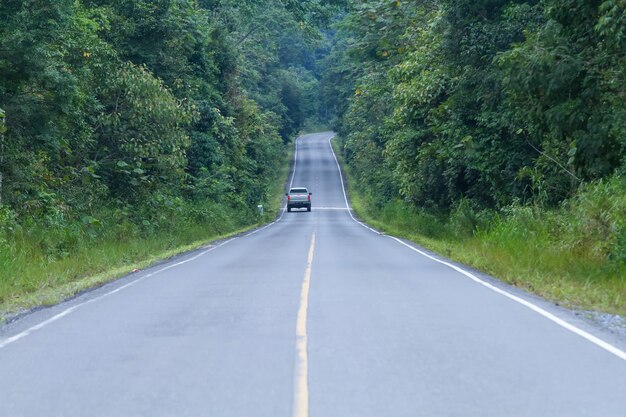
301,382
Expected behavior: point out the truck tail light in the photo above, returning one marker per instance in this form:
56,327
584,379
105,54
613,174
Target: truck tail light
309,197
288,198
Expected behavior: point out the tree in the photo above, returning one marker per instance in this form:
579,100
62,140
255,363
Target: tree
494,101
140,140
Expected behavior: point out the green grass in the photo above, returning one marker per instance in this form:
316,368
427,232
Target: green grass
33,274
45,264
573,255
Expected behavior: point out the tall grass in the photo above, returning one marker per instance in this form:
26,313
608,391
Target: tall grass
38,260
574,255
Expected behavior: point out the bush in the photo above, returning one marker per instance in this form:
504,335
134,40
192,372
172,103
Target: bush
466,219
8,226
595,220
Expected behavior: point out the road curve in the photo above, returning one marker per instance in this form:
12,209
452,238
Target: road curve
314,315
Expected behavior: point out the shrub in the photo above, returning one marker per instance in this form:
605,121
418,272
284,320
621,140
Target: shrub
466,219
596,220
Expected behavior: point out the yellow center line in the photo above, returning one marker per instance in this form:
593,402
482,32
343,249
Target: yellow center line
301,383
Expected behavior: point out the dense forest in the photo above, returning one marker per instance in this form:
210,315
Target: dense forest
483,105
491,100
126,120
501,120
142,102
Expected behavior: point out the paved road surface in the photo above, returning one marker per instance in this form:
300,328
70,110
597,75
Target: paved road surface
314,315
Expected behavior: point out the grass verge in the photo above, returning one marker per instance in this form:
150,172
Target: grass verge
42,266
31,278
574,255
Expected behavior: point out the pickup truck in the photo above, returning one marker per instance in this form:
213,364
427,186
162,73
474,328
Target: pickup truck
299,197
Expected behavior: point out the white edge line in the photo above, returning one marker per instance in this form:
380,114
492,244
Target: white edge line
343,189
293,174
295,162
588,336
604,345
69,310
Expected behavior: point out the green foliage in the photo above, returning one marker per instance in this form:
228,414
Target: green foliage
123,120
3,127
494,129
573,254
493,101
139,139
596,221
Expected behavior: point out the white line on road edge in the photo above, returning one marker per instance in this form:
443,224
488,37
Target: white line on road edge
293,174
343,189
588,336
593,339
64,313
69,310
301,376
295,162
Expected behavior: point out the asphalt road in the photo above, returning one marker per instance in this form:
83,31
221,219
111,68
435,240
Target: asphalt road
314,315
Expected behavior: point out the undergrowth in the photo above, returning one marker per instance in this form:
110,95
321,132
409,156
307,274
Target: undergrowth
574,255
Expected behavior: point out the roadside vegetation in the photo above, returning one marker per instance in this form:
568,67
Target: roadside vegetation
493,132
131,130
569,255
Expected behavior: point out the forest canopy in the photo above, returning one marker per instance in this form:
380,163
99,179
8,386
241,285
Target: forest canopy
491,102
109,103
139,106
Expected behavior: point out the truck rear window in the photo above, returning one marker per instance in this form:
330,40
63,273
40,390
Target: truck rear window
298,191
